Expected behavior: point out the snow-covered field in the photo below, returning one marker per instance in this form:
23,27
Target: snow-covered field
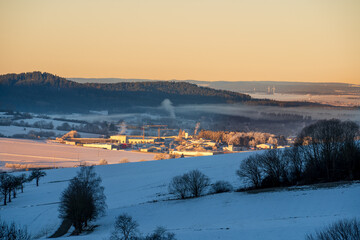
9,131
19,151
335,100
140,189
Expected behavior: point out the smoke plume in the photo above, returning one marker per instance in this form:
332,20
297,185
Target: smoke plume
123,128
196,128
167,105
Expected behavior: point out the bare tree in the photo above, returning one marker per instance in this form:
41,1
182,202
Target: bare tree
37,174
250,169
5,185
193,183
125,228
330,150
23,179
197,182
296,163
83,200
16,184
11,185
178,187
273,167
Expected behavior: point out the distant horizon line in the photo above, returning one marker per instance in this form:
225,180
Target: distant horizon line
149,79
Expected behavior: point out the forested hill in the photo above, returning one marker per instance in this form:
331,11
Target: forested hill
45,92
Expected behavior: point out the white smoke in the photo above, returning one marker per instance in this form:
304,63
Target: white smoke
167,105
123,128
234,137
196,128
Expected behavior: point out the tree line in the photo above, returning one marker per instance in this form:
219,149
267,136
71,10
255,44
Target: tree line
325,151
44,92
10,184
242,138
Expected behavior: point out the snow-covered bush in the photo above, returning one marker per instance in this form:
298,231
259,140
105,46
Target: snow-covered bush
347,229
221,186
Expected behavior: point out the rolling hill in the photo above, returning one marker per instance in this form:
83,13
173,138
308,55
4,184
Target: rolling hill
140,189
45,92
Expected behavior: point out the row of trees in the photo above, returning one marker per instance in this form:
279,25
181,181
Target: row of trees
10,184
103,127
325,151
242,138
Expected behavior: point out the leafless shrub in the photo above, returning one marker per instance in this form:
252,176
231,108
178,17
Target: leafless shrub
11,231
124,160
103,162
347,229
160,233
25,166
161,156
221,186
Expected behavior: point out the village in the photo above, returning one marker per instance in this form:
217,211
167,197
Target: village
182,144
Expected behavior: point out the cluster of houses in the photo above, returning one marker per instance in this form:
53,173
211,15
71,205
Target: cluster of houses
178,145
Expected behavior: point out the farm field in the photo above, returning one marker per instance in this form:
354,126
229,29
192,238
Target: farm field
50,154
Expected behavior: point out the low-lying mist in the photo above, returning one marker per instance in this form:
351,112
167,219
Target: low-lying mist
225,117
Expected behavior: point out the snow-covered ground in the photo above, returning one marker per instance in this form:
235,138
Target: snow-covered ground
50,154
9,131
140,189
335,100
55,123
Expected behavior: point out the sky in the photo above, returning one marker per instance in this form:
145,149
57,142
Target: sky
230,40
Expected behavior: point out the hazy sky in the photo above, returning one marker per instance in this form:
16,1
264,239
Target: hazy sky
284,40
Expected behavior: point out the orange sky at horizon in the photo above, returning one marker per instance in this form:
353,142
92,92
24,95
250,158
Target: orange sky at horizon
210,40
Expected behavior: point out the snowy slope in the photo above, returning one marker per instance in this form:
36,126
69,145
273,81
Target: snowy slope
133,187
